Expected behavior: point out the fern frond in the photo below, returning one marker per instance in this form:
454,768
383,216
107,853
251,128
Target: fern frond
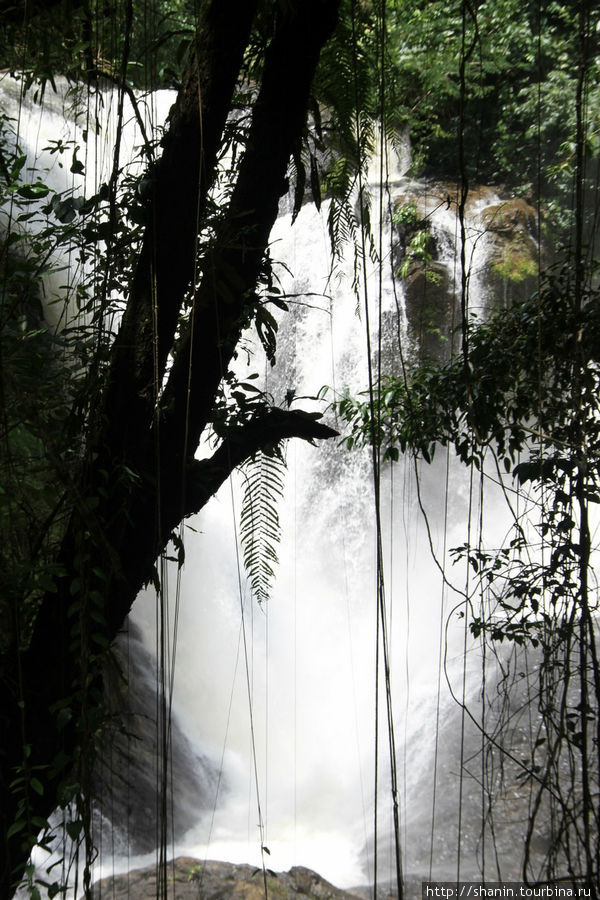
260,530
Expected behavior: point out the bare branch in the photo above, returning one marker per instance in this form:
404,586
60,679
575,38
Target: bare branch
206,476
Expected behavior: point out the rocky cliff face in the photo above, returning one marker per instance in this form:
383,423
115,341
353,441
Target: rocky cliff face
210,880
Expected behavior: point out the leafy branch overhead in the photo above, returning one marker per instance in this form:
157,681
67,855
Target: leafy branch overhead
523,408
509,397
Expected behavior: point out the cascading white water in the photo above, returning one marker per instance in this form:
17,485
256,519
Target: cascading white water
306,664
311,649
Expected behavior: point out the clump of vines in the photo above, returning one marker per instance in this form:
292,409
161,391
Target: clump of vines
523,409
55,333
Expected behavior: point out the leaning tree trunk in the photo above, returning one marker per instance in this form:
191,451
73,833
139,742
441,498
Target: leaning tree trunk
140,478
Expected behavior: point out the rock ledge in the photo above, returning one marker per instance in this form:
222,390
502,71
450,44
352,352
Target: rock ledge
212,880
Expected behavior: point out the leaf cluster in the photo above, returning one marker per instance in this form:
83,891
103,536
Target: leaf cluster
53,346
143,42
516,383
260,530
519,63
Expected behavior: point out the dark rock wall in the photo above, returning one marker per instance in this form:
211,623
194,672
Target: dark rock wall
129,779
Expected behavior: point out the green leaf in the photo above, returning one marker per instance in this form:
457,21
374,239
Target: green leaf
259,520
37,786
15,828
34,191
63,717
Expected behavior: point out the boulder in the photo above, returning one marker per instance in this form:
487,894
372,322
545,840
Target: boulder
511,229
211,880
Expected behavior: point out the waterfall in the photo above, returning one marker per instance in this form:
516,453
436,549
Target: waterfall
298,672
311,648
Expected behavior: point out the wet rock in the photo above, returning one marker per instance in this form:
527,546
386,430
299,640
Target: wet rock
511,230
430,308
501,253
190,878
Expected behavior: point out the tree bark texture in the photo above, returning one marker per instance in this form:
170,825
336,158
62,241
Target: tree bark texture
141,478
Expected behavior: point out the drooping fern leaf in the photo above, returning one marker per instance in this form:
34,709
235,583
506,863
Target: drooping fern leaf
260,530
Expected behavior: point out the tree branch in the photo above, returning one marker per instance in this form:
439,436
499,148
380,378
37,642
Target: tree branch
205,477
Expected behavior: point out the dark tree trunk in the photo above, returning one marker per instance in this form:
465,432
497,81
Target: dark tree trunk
141,478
